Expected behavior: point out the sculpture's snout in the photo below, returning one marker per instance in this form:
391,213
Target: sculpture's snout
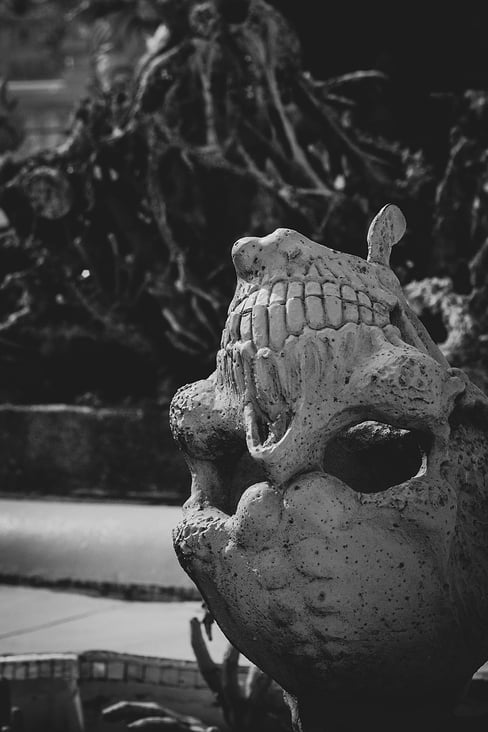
246,254
253,256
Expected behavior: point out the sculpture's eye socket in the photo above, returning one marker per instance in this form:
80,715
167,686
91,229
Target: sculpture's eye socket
372,457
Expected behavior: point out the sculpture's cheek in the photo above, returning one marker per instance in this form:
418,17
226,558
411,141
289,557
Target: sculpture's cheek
258,516
346,605
408,387
373,581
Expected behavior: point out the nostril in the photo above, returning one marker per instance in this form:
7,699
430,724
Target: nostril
246,256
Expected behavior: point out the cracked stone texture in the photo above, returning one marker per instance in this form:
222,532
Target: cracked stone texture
338,520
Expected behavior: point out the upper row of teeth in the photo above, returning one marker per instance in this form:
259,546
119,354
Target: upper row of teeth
267,317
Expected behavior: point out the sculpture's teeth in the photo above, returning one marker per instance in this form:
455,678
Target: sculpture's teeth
262,296
226,337
240,307
234,325
268,387
350,303
260,325
314,308
249,303
278,293
333,304
270,315
247,352
295,289
289,370
238,369
295,315
246,326
313,288
365,308
277,326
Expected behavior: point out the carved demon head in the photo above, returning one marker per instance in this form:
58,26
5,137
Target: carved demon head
338,523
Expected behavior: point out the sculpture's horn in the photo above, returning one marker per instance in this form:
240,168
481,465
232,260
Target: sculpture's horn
386,229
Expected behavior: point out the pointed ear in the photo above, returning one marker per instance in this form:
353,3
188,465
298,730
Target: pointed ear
386,230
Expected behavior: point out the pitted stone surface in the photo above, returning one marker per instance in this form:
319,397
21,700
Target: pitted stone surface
330,575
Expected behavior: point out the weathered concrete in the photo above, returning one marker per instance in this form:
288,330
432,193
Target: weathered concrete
42,621
81,451
338,581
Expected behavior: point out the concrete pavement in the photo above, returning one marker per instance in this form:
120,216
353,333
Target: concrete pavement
38,620
88,541
94,543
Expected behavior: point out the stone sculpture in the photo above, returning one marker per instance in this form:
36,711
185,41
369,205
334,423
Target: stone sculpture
338,521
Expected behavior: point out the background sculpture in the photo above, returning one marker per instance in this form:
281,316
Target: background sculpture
337,523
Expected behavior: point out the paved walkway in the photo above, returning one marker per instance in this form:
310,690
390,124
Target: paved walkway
90,541
37,620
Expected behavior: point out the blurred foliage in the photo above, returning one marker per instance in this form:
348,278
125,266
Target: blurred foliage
11,122
118,35
116,269
31,36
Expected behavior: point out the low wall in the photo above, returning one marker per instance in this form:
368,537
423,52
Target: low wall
71,451
44,687
39,683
